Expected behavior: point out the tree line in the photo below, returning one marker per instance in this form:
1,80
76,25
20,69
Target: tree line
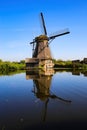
69,64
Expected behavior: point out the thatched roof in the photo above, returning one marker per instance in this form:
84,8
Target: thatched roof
41,38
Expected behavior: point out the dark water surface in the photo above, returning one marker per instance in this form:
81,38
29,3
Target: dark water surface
36,101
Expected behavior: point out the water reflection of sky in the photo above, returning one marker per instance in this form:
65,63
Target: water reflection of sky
21,108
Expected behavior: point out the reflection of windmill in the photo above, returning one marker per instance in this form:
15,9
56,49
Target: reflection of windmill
42,91
42,88
41,52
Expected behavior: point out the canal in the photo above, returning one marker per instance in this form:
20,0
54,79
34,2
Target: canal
37,100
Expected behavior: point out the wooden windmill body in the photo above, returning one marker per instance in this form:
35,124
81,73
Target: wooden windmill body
41,56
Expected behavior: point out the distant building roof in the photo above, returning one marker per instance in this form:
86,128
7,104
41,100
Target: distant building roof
75,61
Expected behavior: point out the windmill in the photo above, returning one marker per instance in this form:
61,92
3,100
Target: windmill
41,51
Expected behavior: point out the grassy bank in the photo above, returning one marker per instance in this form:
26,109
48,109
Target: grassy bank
11,66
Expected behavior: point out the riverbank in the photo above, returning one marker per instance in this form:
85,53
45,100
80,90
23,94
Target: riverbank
58,65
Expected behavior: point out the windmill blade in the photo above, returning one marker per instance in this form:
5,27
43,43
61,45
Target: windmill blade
32,41
43,23
62,32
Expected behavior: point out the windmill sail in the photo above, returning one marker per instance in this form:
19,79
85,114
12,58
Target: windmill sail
43,23
60,33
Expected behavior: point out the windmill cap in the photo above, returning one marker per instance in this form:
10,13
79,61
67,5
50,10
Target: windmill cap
41,38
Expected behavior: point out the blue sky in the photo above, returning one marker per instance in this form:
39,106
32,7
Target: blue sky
20,23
